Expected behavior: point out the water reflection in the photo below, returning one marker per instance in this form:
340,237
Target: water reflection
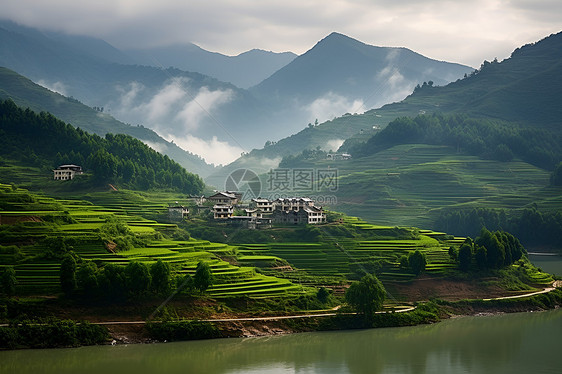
519,343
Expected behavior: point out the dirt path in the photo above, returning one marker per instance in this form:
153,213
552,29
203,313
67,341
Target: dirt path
546,290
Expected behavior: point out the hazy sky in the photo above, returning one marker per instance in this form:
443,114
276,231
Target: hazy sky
465,31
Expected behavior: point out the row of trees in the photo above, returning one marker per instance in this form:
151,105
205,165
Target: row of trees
137,279
480,137
490,250
48,142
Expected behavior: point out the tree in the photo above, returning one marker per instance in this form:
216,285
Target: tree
404,262
113,282
465,256
481,256
323,295
9,281
366,296
556,176
160,273
203,277
87,277
184,284
138,278
417,262
68,275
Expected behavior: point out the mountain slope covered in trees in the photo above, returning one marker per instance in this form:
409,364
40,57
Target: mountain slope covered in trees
25,93
43,140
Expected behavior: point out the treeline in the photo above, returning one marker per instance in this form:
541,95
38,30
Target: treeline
531,226
43,140
485,138
118,283
490,250
51,333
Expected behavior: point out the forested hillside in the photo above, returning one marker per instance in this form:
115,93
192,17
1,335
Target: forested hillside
43,140
27,94
489,139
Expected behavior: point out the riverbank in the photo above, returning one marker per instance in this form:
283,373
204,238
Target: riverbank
239,326
428,312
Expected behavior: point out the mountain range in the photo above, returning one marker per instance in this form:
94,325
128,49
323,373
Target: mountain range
205,115
244,70
523,90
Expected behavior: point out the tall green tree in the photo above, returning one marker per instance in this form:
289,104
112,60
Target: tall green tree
203,277
68,275
465,256
366,296
160,273
87,277
9,281
138,278
417,262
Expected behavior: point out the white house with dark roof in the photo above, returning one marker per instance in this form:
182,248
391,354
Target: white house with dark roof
67,172
226,198
264,205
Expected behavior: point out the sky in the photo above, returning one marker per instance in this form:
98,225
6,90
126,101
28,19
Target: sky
463,31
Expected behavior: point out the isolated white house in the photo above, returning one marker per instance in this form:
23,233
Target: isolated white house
67,172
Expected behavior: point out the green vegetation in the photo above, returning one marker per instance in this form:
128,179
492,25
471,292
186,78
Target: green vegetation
366,296
530,225
44,141
490,139
43,240
51,334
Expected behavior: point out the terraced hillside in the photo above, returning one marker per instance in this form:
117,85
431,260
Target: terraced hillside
410,184
78,223
333,260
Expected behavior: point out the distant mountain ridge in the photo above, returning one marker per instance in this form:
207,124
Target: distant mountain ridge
208,116
347,67
244,70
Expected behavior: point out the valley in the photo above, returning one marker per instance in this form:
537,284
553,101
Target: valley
416,192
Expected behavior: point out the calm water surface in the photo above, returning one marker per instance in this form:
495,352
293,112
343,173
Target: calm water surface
547,262
514,343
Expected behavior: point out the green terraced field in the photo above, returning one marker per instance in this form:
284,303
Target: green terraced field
37,276
408,185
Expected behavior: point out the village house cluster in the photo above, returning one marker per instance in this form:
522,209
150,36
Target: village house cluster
262,213
259,213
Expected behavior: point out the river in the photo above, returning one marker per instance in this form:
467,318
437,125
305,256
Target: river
511,343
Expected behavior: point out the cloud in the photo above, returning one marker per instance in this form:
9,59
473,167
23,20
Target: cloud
175,108
460,31
57,87
162,104
332,105
200,106
213,151
158,147
333,145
